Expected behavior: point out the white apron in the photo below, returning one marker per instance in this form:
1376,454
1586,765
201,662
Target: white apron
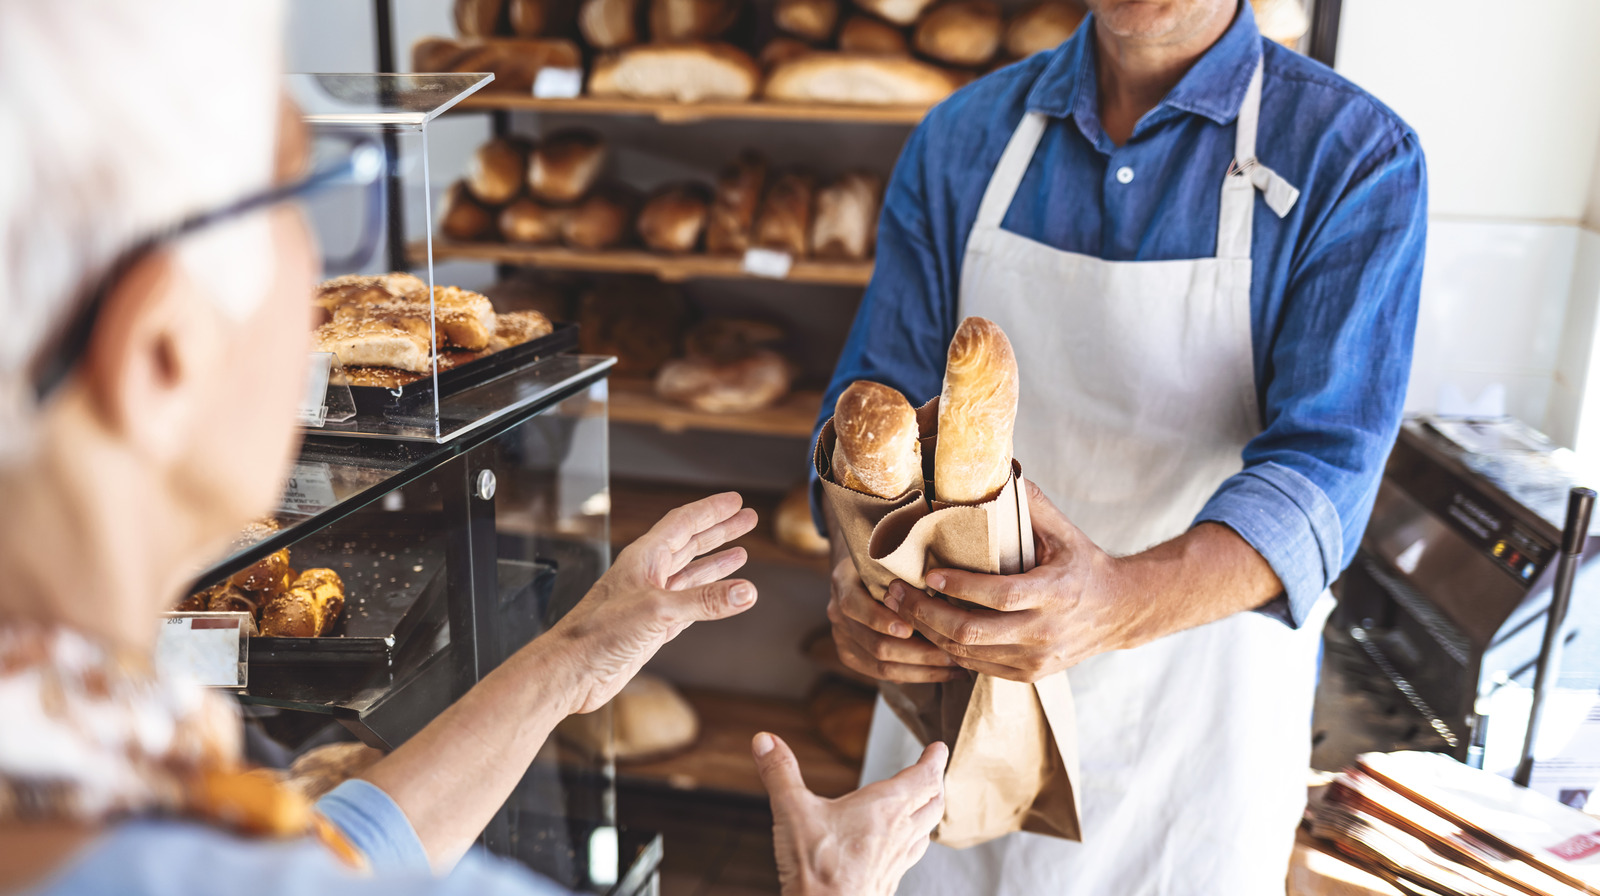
1138,396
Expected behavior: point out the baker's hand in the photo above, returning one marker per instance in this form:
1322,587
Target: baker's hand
860,844
872,640
654,590
1033,624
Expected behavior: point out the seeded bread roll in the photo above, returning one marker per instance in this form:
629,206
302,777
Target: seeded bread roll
977,411
532,223
683,73
733,211
464,218
811,20
674,218
609,24
495,174
1042,26
564,165
864,34
961,32
603,220
859,79
785,220
308,609
876,449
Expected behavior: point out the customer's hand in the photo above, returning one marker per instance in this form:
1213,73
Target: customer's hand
874,641
860,844
654,590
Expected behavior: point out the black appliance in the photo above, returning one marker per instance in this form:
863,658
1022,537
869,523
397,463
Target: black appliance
1446,597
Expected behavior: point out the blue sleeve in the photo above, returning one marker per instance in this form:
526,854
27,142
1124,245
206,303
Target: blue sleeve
375,825
1339,365
908,313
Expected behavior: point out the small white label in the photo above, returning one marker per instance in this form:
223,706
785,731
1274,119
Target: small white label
558,83
206,647
767,263
313,409
309,490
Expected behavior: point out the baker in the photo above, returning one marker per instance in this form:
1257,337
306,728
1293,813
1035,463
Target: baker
1206,250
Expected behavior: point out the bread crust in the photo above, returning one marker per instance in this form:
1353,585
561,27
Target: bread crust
846,217
565,165
784,223
876,449
811,20
977,413
961,32
1042,26
733,208
602,220
675,218
748,384
609,24
865,34
530,222
859,79
684,73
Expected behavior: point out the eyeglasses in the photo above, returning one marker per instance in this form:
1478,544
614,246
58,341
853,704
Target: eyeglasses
362,164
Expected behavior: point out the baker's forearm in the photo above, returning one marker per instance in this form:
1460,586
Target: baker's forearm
1201,576
455,773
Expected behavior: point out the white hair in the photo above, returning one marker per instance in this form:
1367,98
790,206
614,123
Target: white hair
118,118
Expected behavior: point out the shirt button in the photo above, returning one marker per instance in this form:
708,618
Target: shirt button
1124,175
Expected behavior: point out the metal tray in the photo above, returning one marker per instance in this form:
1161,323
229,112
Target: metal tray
394,581
412,397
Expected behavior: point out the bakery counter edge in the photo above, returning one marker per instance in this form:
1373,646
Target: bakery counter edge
690,113
668,268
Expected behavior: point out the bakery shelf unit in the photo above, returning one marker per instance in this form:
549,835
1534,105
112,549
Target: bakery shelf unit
635,401
667,268
691,113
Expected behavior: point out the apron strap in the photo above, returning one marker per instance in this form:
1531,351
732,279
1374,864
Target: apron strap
1245,176
1008,173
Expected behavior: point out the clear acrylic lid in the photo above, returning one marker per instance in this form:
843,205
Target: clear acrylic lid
379,100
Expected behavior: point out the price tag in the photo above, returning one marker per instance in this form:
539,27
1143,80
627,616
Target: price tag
558,83
767,263
309,490
211,648
313,409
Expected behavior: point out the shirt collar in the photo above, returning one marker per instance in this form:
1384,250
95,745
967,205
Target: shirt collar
1214,87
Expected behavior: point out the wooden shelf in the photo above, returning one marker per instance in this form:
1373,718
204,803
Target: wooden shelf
688,113
670,268
720,760
637,505
635,401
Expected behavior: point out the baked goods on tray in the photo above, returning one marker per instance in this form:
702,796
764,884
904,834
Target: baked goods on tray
382,327
283,603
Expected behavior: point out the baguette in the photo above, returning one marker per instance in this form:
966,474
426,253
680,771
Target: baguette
858,79
876,451
977,411
683,73
961,32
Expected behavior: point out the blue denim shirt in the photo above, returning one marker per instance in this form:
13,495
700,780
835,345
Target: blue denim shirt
173,857
1334,289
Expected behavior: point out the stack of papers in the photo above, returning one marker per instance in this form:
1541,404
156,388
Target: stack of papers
1430,825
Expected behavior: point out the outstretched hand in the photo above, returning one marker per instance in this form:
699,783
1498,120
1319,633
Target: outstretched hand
655,589
860,844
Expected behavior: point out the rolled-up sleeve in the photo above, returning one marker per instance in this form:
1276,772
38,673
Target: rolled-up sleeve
374,824
1339,365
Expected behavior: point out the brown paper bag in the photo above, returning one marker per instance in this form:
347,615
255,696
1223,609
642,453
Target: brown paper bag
1013,746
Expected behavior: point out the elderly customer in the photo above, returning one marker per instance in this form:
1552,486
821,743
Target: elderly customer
127,460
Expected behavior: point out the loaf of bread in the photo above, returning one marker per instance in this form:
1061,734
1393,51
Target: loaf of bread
464,217
515,63
873,37
781,49
641,322
846,218
1042,26
516,327
603,220
857,79
731,338
683,73
308,609
960,32
876,449
675,217
977,412
532,223
495,173
461,318
402,343
479,18
609,24
793,527
811,20
784,221
900,12
758,380
676,21
564,165
537,18
734,205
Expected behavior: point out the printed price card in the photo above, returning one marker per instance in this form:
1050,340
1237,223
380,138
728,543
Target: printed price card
768,263
211,648
558,83
308,490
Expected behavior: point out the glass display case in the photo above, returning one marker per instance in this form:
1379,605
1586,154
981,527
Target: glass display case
457,521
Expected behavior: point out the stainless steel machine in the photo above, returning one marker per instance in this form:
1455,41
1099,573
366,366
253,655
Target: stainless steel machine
1447,594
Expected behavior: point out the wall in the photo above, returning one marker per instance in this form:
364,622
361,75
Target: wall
1507,106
